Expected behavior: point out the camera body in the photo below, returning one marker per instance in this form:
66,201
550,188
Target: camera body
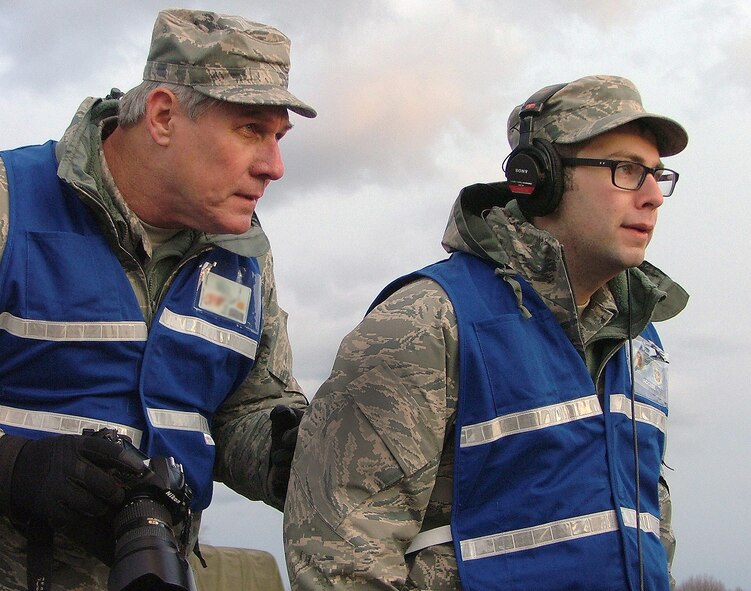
147,553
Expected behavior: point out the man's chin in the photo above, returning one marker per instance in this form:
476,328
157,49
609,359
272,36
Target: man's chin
634,260
236,226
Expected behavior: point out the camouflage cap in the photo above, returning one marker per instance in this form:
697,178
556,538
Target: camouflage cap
593,105
224,57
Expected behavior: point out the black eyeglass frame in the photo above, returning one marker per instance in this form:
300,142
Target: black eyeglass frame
614,164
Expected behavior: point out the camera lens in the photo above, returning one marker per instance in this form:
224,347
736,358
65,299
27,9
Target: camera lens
147,555
141,518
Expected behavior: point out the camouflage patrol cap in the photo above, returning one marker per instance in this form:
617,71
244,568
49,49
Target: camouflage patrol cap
593,105
224,57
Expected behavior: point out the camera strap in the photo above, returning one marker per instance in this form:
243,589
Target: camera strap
39,542
198,554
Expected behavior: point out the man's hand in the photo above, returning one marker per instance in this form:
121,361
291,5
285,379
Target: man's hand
284,425
66,479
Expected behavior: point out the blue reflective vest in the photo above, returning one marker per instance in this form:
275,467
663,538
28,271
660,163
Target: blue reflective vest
76,351
544,493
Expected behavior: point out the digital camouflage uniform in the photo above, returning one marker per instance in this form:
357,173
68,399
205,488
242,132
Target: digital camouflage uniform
241,428
375,452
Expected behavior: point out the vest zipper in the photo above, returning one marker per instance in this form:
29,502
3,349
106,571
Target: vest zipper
192,255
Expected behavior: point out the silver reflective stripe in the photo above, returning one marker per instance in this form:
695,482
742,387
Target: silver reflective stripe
540,535
53,422
46,330
181,420
430,537
648,522
210,332
644,412
530,420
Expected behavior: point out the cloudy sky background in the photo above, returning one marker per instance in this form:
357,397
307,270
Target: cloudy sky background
413,97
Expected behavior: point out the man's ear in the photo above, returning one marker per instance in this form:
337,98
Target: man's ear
161,108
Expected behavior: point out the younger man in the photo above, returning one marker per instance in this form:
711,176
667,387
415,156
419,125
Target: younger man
479,427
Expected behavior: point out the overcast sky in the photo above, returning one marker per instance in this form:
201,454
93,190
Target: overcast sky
413,97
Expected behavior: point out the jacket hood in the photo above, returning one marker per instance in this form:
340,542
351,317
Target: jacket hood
467,229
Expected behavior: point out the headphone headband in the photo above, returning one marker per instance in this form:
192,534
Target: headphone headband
534,106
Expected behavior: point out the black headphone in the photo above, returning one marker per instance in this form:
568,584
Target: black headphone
533,169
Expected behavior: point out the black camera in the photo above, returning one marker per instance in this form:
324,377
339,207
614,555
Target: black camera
147,553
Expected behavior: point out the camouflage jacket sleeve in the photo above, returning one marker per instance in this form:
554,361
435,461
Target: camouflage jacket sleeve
241,428
370,445
666,525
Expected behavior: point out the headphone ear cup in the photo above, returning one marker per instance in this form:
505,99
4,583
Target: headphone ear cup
546,196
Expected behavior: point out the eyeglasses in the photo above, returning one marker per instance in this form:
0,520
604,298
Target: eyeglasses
630,175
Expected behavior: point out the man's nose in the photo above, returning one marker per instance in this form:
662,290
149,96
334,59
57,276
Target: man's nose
269,163
651,193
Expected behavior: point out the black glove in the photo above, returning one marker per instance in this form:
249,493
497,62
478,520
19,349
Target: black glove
68,479
284,424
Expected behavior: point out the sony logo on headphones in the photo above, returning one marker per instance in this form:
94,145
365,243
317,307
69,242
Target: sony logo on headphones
521,170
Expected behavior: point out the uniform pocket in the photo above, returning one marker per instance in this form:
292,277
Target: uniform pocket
67,272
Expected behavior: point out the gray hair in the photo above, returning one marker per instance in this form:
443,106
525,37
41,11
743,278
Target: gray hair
133,103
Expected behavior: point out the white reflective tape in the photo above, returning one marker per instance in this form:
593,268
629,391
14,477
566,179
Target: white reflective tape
530,420
644,412
53,422
215,334
430,537
46,330
648,522
539,535
180,420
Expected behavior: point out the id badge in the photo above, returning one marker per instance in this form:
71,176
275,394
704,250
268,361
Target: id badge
224,297
650,371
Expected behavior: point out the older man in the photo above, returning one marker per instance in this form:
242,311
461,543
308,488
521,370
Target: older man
137,294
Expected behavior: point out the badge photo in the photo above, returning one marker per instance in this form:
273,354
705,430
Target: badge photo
224,297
